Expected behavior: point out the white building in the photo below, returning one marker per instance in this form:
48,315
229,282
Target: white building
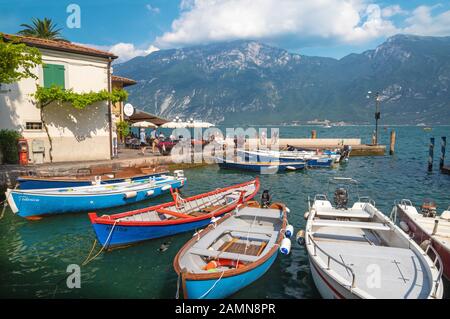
77,134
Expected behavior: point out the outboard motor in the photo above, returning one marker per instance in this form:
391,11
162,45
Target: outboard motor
265,199
341,198
428,208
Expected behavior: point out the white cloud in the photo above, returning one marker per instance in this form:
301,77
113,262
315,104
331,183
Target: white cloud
124,51
153,9
346,21
423,22
127,51
393,10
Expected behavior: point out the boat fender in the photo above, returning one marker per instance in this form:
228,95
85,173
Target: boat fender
289,231
425,244
166,187
150,192
291,168
128,195
306,215
301,237
285,247
288,210
404,226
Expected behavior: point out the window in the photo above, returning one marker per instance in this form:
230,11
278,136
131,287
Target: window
54,75
33,125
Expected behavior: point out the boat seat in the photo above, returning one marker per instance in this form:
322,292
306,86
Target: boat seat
253,236
350,224
224,255
351,213
259,212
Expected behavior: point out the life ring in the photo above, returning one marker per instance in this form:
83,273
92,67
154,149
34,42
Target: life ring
214,264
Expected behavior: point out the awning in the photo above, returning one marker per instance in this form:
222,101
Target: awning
139,116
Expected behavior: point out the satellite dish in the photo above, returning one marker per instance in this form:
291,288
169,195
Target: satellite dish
128,109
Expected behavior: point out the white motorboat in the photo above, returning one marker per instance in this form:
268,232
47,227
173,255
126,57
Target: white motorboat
358,252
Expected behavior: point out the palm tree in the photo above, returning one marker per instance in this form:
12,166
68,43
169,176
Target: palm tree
44,29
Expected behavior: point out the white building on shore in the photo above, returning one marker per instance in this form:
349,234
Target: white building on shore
78,135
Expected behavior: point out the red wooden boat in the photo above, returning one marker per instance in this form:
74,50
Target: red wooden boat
427,228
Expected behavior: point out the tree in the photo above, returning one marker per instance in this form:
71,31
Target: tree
17,60
44,29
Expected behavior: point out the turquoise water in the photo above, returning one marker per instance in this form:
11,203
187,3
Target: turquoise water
34,255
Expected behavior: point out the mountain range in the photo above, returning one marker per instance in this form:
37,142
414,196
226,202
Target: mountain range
247,82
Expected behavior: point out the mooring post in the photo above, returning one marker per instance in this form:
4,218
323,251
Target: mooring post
443,145
313,134
392,145
430,155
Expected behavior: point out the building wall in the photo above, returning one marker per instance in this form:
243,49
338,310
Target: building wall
77,134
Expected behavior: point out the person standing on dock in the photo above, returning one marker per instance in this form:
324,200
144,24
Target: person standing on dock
143,141
153,139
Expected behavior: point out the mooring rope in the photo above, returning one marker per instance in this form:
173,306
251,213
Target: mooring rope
177,295
5,204
89,259
212,287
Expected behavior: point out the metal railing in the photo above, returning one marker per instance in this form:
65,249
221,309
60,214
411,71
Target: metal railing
438,266
366,199
329,258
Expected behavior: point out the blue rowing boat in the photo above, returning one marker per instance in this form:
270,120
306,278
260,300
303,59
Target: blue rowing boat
180,215
36,182
261,167
34,203
312,161
233,252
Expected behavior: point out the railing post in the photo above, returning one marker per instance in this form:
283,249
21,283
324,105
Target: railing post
443,145
430,154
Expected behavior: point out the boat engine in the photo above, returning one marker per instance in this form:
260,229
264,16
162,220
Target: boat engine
341,198
428,208
265,199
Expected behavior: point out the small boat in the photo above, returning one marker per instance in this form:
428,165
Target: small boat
312,161
180,215
261,167
36,202
233,252
358,252
426,228
87,178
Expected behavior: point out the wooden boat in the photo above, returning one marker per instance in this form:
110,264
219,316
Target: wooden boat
427,228
37,202
232,253
171,218
311,160
87,177
261,167
358,252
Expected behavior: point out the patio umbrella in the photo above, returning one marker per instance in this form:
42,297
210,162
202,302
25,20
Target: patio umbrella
144,124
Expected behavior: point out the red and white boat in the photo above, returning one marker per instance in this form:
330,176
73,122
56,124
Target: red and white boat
427,228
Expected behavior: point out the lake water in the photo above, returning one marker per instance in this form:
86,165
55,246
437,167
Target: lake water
34,255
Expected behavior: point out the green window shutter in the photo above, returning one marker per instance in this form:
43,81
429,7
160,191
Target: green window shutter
54,75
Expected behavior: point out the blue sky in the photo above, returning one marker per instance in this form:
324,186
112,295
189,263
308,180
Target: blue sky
326,28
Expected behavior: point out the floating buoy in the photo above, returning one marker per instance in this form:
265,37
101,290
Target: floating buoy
289,231
285,247
306,215
130,194
301,237
404,226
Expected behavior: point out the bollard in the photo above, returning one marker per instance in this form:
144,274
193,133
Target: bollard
430,155
443,145
392,146
313,134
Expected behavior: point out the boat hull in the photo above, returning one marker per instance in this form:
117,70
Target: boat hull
262,168
41,183
35,204
419,236
226,286
310,162
129,234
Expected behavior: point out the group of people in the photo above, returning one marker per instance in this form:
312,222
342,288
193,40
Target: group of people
152,140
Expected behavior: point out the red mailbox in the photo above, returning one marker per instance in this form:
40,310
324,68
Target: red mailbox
22,147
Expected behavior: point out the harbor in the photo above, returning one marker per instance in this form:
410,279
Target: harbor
68,238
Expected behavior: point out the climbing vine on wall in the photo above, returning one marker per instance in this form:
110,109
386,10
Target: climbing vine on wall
45,96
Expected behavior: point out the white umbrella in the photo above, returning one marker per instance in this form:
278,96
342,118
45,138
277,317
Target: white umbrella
174,125
144,124
201,124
